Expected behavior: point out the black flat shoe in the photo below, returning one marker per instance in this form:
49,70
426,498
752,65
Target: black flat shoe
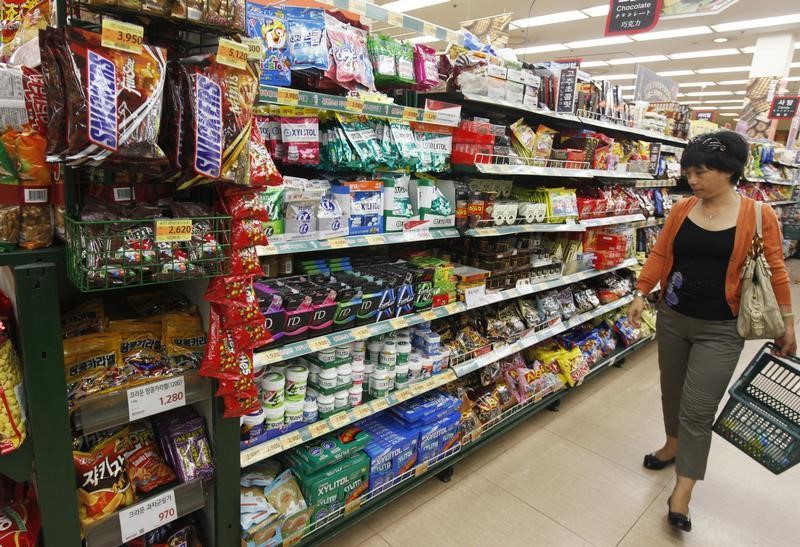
678,520
651,462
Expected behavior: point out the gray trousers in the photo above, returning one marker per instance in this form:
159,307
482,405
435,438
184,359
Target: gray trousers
697,359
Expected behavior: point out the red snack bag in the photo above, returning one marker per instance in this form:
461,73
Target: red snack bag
245,262
53,78
20,521
262,169
220,356
243,385
113,99
301,137
33,87
246,204
234,299
258,334
237,405
248,233
146,468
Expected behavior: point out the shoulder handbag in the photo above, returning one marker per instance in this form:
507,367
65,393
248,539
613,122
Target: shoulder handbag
759,314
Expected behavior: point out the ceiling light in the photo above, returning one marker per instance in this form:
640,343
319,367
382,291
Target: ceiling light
720,40
706,108
674,33
691,102
593,64
423,40
723,69
727,114
705,53
613,77
669,73
628,97
551,19
597,42
793,79
696,84
748,49
597,11
627,87
740,92
749,24
709,93
540,49
723,101
732,82
730,107
634,60
410,5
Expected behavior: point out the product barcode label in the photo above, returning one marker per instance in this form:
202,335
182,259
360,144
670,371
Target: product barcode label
123,194
35,195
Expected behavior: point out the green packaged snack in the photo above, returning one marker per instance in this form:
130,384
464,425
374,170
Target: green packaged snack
328,450
436,149
397,206
404,61
363,139
407,149
382,53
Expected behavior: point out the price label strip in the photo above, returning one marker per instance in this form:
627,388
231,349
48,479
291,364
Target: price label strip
375,239
421,469
361,333
319,428
338,243
338,420
123,36
428,315
288,96
403,395
379,405
266,450
157,397
409,114
290,440
173,229
362,411
232,54
319,344
354,104
148,515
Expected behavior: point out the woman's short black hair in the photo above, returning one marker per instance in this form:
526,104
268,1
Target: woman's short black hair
724,151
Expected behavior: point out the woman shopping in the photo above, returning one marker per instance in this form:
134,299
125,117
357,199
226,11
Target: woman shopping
698,260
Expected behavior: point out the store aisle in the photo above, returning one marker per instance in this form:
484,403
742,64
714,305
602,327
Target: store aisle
575,477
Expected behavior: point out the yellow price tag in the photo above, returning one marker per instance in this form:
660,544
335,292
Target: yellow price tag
429,116
319,344
290,440
490,232
361,411
410,114
361,332
417,388
403,395
337,243
455,307
395,19
354,104
398,323
353,506
379,404
232,53
255,49
375,239
123,36
319,428
262,452
358,6
174,229
272,356
266,250
421,469
340,419
428,315
288,96
429,29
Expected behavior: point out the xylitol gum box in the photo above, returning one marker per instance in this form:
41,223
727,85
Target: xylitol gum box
391,452
426,408
335,482
320,453
439,436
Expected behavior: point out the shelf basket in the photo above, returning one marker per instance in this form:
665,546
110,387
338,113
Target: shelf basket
124,253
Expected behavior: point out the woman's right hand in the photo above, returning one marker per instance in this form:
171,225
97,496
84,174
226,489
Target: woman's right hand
635,311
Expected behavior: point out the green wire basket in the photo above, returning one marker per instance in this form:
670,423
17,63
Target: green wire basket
115,254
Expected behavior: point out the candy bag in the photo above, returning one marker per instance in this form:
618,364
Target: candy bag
307,39
300,135
269,25
246,204
187,443
235,298
248,233
426,67
184,341
262,169
219,360
245,262
93,364
140,348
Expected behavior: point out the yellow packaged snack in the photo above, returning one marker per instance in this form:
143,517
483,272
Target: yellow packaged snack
12,415
93,364
184,341
87,318
573,366
141,348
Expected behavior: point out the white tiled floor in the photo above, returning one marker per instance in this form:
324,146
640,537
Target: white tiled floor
575,478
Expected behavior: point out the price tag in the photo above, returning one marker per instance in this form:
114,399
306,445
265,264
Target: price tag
353,506
175,229
139,519
455,307
417,388
490,231
395,19
524,285
319,428
428,315
361,333
271,356
398,323
157,397
319,344
419,235
429,116
255,49
266,250
378,405
269,448
410,114
361,411
122,36
403,395
421,469
354,104
475,296
358,6
339,419
288,96
337,243
232,53
375,239
493,297
290,440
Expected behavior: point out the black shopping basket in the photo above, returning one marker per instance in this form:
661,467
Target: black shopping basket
762,416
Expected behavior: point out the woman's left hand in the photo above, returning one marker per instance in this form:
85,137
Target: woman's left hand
787,343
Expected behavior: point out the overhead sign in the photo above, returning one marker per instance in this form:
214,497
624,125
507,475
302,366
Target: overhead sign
707,115
783,107
632,16
653,88
566,88
675,9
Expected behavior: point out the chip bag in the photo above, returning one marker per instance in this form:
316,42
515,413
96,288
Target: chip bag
146,468
20,521
12,415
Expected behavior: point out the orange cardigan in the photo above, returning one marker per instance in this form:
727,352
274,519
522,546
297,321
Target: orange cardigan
659,264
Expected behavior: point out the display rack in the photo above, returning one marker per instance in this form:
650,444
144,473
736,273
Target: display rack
351,242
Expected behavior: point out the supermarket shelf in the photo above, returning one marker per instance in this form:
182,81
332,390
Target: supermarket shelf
277,445
628,175
580,226
188,497
669,149
610,221
286,247
308,99
650,222
532,171
374,500
617,357
19,257
775,182
17,465
296,349
536,337
656,183
112,409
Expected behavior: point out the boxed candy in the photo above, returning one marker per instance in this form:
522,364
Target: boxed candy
392,449
435,202
325,451
336,485
361,204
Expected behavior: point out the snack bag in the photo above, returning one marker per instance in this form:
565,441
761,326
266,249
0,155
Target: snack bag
426,67
146,468
269,25
93,364
307,39
141,348
186,447
87,318
184,341
12,415
103,483
21,520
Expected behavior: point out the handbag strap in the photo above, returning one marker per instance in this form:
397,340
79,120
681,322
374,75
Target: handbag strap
759,222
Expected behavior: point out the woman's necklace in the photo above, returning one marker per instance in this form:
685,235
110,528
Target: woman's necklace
724,208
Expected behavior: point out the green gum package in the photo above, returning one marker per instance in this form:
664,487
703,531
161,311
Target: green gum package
382,53
408,150
404,61
436,149
389,149
363,139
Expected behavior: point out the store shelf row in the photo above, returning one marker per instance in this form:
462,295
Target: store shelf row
649,223
580,226
305,347
656,183
508,165
265,450
374,500
349,242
